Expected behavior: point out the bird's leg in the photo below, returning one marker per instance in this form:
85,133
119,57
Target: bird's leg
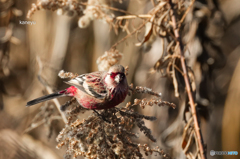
103,118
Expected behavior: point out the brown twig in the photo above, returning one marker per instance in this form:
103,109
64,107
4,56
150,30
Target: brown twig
127,36
58,105
186,79
185,14
134,16
49,90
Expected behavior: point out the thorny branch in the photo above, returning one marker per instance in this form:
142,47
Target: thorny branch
186,79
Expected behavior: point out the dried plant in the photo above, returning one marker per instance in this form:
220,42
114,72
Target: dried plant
69,7
46,116
104,134
108,59
96,138
8,13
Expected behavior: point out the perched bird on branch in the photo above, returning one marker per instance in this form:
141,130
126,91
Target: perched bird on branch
96,90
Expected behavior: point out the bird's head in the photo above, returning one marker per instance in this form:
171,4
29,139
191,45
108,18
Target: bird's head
115,75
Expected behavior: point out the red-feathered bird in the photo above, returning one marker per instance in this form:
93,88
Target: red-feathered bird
96,90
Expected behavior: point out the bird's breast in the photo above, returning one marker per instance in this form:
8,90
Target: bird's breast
118,95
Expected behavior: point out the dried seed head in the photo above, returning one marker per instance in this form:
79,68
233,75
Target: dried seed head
108,59
84,21
63,74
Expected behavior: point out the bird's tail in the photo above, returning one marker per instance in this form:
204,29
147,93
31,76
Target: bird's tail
45,98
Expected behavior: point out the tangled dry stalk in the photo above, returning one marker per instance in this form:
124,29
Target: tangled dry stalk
188,87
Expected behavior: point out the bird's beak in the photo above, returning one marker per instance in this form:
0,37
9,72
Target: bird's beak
118,78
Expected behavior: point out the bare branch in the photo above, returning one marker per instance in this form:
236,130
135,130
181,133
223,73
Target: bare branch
49,90
186,79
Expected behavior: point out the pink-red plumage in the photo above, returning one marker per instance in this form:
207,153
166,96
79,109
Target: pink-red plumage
96,90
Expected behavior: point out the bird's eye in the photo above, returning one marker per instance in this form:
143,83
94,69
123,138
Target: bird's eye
112,75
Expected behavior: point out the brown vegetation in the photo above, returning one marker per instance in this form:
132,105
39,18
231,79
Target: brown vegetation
185,49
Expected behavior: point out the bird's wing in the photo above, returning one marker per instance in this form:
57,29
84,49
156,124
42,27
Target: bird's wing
91,84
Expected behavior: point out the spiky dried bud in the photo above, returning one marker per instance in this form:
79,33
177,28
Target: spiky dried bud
84,21
63,74
93,136
128,104
69,8
60,11
140,89
108,59
126,70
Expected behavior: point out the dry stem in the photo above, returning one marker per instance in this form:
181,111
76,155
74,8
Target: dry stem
127,36
49,90
185,14
186,79
58,105
133,16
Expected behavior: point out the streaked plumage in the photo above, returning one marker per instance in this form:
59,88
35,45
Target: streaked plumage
96,90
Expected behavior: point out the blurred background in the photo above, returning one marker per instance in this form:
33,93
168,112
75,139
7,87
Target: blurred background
211,32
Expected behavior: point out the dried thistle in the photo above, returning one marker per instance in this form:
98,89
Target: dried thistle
140,89
149,151
108,59
64,75
68,7
95,138
95,9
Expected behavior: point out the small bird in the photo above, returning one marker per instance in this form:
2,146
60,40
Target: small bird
96,90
